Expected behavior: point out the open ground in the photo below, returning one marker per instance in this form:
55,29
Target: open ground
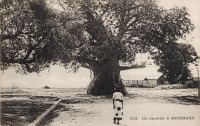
142,107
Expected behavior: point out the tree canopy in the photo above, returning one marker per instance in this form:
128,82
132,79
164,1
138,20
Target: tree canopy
32,35
174,63
95,34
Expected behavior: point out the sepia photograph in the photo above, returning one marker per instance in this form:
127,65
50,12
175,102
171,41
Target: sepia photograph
99,63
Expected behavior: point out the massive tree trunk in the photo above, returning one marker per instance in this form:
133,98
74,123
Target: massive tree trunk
106,78
106,74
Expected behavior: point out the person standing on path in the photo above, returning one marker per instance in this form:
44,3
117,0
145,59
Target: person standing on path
117,104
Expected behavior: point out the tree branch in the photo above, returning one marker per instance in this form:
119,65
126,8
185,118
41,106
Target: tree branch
61,5
30,51
28,67
134,7
19,61
10,36
86,66
128,26
131,67
84,60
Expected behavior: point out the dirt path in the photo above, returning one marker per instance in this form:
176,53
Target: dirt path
142,104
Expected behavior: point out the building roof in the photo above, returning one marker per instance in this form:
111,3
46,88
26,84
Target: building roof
196,78
149,72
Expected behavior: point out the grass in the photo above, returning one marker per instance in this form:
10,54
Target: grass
18,113
19,109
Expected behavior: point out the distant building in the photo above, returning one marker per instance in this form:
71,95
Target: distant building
146,82
161,80
150,82
195,82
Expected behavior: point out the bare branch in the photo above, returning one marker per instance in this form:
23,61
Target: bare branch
131,67
61,5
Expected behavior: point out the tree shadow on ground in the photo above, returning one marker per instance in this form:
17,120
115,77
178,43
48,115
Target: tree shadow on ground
185,100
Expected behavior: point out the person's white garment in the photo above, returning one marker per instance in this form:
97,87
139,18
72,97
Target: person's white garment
118,97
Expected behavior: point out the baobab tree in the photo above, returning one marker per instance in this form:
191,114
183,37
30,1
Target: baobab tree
101,35
118,30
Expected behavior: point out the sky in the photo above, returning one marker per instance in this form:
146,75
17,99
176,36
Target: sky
58,77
